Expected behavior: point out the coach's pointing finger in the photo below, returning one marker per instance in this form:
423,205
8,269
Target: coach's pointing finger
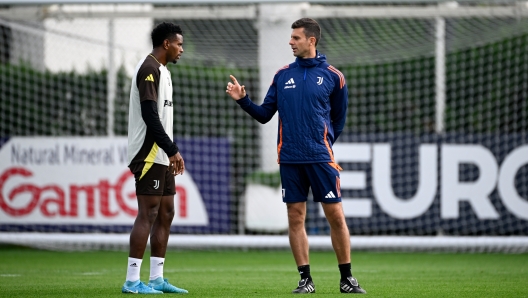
234,89
234,79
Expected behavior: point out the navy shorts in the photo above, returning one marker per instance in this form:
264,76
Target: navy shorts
323,178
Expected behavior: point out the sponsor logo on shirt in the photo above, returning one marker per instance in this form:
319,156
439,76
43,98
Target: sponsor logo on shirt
289,84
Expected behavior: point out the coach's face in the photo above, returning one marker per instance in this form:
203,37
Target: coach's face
300,44
175,49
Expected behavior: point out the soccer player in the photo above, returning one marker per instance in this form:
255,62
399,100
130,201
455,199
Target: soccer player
154,159
311,97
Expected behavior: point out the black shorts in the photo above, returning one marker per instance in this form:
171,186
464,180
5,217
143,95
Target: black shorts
153,179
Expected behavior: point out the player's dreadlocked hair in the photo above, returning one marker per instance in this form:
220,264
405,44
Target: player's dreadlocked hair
164,31
310,26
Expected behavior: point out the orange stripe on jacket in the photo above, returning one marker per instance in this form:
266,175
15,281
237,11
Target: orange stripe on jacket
284,67
341,76
338,186
279,146
333,164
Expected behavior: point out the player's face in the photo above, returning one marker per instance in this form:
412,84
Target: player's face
300,44
175,49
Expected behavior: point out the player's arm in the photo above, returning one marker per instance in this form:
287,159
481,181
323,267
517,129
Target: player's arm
338,107
262,113
148,94
149,113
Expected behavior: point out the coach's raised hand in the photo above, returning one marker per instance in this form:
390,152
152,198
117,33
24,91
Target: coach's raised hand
235,90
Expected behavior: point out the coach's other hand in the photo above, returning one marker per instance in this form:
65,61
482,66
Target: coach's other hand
235,90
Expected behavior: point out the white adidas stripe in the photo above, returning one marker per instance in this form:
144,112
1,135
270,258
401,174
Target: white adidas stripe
330,195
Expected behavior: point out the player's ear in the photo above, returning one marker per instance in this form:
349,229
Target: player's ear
166,44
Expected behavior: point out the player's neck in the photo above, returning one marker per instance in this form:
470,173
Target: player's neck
160,58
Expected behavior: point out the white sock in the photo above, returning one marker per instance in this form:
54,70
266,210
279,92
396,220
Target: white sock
134,266
156,267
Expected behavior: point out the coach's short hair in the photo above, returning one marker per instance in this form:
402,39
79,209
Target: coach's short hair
164,31
310,26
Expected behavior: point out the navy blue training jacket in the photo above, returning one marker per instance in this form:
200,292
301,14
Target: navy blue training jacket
312,98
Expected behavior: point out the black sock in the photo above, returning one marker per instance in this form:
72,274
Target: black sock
304,271
345,270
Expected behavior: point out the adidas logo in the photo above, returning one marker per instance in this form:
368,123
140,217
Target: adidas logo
133,265
160,264
150,78
310,288
289,84
330,195
346,287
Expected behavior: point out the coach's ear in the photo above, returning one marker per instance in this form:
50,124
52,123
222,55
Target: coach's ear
312,41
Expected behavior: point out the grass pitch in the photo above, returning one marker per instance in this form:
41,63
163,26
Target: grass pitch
35,273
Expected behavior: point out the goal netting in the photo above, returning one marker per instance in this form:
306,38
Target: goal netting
434,150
